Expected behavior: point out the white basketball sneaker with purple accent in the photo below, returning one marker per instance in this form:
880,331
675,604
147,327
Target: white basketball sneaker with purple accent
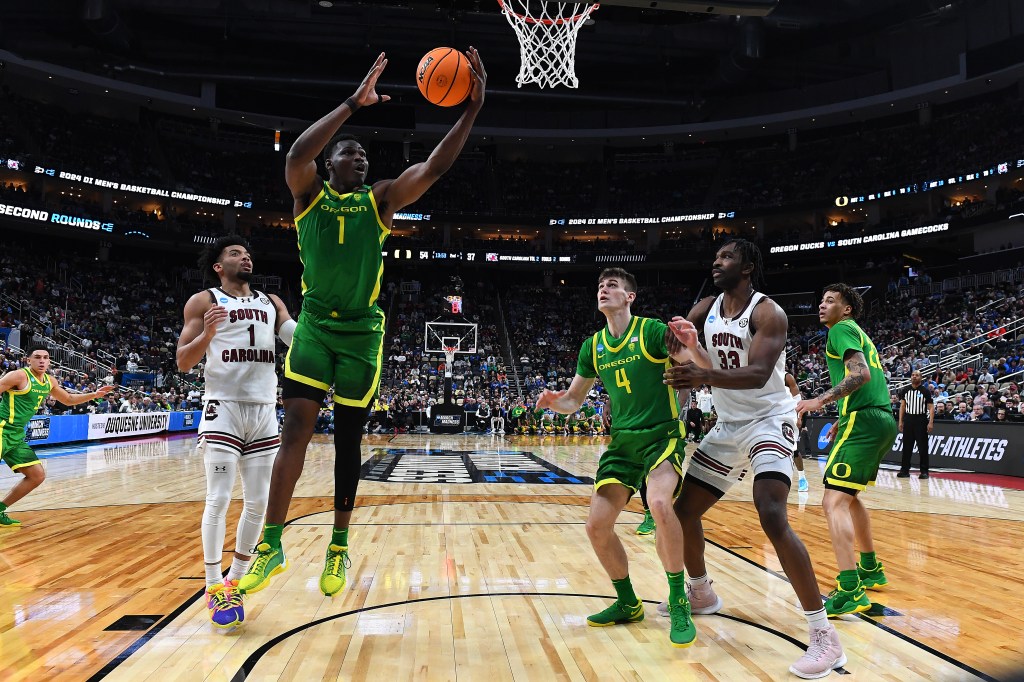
824,655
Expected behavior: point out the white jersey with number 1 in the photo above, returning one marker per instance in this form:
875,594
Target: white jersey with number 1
728,343
240,361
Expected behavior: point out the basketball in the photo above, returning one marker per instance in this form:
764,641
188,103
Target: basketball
444,77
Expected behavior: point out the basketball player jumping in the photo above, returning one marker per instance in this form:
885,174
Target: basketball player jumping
866,430
342,223
630,355
744,364
234,326
22,392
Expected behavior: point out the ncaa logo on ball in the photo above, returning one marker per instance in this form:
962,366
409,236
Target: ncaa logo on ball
423,68
823,436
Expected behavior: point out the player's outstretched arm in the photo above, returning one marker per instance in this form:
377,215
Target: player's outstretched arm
300,163
69,399
413,183
569,400
857,374
201,320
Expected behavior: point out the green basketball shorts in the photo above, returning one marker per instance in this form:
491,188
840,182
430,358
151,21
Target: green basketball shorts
344,350
862,439
14,451
632,455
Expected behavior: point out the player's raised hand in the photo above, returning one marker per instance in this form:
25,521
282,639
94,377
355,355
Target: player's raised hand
476,65
212,319
548,397
103,390
684,331
685,376
366,93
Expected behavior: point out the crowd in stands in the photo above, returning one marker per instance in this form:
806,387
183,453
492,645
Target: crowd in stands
105,330
925,333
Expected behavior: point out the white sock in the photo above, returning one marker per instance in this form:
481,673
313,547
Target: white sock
699,582
213,575
238,568
817,620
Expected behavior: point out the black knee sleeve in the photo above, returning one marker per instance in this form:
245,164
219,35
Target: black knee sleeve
348,433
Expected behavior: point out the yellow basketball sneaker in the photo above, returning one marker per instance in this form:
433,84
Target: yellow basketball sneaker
332,580
266,563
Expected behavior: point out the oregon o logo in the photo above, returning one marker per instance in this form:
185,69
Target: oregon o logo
845,469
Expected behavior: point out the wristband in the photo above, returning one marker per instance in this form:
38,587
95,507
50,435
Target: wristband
287,332
351,104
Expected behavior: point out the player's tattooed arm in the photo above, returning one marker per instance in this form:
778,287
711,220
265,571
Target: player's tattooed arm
857,374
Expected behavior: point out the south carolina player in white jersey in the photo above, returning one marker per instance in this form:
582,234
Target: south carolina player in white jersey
234,326
744,364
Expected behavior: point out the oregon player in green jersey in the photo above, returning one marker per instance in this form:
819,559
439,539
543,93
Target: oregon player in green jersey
23,392
864,433
342,223
630,355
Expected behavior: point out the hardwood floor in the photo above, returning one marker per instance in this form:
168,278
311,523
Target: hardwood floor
479,581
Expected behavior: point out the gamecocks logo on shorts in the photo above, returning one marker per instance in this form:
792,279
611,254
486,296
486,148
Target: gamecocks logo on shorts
787,432
211,410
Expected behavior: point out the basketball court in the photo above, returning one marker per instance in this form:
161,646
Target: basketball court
470,561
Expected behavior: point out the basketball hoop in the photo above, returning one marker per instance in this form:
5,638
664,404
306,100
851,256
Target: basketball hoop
547,39
449,354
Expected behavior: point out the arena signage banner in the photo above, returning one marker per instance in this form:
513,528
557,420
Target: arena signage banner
647,220
119,425
55,218
980,447
140,189
866,239
913,188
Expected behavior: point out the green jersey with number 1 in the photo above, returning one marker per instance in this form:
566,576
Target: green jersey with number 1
630,368
340,241
844,336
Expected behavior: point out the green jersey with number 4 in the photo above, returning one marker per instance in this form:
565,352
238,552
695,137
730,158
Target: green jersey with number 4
844,336
340,240
630,368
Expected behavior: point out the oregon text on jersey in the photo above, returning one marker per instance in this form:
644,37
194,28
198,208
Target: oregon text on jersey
620,361
343,209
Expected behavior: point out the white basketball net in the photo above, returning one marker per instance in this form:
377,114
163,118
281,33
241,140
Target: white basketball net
547,39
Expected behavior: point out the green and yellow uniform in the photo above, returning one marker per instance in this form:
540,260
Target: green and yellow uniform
515,418
866,429
536,416
646,428
340,334
18,407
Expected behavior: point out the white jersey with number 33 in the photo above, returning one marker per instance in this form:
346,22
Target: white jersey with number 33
240,361
728,343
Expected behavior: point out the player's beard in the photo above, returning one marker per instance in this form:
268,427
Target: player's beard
245,276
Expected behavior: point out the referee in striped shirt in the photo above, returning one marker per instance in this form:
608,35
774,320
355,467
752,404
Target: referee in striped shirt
917,416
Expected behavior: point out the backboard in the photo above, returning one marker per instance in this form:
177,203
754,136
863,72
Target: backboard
439,337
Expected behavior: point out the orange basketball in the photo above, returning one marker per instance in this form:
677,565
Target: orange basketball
443,76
